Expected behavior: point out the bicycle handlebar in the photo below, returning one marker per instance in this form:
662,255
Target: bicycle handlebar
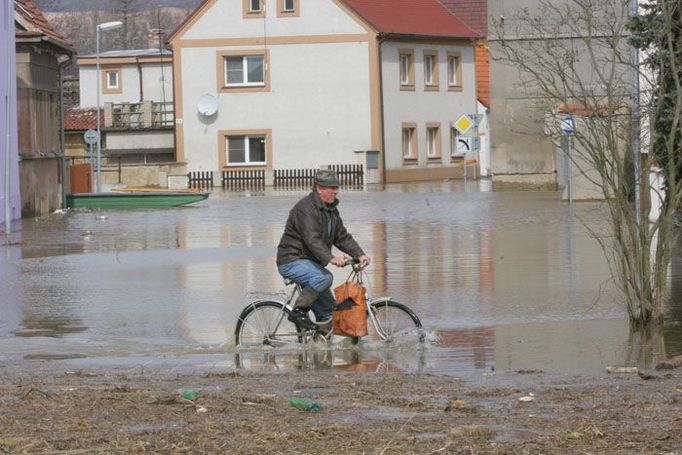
357,265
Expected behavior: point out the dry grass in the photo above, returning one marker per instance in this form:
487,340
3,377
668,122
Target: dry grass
49,411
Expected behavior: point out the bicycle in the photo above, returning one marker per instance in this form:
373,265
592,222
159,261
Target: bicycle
265,322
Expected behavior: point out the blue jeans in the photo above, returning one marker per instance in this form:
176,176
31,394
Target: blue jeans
309,273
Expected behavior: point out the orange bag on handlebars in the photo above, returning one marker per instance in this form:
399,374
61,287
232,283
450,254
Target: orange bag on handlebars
349,318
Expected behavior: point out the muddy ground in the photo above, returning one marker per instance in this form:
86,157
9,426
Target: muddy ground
47,408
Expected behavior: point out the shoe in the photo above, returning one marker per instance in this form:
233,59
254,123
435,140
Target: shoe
299,316
324,327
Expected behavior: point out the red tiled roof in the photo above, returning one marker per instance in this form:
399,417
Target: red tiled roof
482,56
474,13
396,17
411,18
82,119
29,15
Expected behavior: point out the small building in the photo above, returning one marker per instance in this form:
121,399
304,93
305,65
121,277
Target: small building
300,84
474,13
41,54
136,101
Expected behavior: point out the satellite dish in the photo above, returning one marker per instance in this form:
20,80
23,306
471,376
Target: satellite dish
207,105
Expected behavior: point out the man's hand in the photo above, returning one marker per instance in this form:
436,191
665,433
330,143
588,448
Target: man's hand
339,261
365,259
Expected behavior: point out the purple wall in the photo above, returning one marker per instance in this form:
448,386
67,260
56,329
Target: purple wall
8,57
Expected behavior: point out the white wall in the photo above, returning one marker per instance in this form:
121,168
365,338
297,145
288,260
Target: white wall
130,78
157,82
137,140
420,106
317,108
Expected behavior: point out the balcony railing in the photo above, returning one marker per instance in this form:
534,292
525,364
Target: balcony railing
134,116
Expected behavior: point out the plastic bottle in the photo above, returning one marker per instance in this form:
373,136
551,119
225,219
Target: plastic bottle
190,395
304,404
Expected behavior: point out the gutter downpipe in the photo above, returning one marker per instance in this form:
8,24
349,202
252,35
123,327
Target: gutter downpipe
380,39
62,138
139,76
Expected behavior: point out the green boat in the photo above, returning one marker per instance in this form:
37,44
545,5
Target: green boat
142,200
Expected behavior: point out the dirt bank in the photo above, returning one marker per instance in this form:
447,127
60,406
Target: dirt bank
46,408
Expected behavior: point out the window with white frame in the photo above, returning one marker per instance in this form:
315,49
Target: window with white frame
112,79
433,141
246,150
454,135
288,8
253,9
409,141
244,70
111,82
428,69
406,60
431,70
454,71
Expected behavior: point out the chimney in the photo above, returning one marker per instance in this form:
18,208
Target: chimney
155,38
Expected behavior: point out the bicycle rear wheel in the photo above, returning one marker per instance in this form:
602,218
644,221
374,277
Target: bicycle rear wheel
394,321
265,323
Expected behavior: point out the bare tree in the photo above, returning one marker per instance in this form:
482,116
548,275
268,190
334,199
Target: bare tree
575,57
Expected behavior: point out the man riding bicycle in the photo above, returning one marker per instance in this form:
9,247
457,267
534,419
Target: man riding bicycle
313,227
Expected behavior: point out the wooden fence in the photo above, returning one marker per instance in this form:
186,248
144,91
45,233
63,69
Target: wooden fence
293,178
200,179
350,175
244,180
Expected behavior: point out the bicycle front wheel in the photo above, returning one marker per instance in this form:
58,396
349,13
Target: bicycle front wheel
265,323
394,321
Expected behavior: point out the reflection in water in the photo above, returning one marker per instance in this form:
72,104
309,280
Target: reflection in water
356,359
504,280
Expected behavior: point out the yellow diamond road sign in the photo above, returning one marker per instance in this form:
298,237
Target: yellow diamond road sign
463,124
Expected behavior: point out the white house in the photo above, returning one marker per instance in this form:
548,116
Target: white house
136,98
305,83
126,76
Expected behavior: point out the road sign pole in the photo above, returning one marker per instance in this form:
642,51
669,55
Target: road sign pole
570,170
567,128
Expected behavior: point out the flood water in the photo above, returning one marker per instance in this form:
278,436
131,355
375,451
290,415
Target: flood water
501,281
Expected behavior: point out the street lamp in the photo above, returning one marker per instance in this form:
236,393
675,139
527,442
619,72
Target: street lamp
101,27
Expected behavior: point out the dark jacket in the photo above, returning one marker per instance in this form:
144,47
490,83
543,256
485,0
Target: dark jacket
311,230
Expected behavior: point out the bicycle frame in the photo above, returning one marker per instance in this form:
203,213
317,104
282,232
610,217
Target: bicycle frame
360,275
279,332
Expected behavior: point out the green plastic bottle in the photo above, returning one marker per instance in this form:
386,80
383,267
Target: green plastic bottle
305,404
190,395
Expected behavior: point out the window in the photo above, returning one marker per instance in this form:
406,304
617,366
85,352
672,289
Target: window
428,70
431,70
409,142
254,9
245,150
111,80
433,140
454,71
406,69
287,8
454,135
243,71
